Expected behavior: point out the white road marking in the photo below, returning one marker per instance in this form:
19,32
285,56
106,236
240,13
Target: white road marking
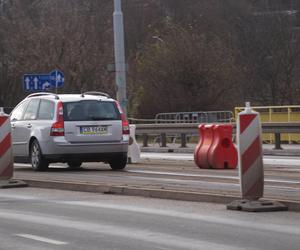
17,196
205,176
168,156
180,174
98,227
256,225
221,184
22,165
286,162
42,239
189,157
29,165
188,175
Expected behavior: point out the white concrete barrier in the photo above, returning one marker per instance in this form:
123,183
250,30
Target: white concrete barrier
134,151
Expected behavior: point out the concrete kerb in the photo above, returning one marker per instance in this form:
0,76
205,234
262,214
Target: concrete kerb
146,192
12,184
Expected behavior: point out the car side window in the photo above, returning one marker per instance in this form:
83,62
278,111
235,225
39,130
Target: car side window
31,111
18,112
46,110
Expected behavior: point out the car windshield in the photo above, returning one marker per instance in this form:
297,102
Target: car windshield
90,110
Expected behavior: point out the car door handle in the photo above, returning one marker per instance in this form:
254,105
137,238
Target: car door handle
29,125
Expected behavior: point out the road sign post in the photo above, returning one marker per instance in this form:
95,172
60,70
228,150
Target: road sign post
120,67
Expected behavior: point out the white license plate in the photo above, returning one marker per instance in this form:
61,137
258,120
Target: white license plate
95,130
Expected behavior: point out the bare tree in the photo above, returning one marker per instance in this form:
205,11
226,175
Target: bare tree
183,55
73,36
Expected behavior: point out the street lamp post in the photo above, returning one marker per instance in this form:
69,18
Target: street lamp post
120,65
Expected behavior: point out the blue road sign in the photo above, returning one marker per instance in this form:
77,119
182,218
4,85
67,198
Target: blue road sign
38,82
42,82
57,78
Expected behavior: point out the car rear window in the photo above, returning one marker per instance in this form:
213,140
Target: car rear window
90,110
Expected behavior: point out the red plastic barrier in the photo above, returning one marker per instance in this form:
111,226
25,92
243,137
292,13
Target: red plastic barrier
205,142
200,129
222,153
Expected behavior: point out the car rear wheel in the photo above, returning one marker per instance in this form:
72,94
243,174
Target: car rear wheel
118,163
74,164
38,162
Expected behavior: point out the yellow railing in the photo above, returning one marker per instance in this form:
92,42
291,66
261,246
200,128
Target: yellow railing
277,114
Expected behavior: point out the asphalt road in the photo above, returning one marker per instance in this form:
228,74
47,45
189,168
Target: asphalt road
161,172
35,219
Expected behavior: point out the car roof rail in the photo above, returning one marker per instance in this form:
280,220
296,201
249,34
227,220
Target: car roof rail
43,94
95,93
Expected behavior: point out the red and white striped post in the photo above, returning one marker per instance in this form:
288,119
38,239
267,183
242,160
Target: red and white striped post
250,155
6,154
250,161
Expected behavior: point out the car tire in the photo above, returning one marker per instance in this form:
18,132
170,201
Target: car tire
37,159
74,164
118,163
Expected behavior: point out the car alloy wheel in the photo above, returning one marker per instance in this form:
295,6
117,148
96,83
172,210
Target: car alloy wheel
37,161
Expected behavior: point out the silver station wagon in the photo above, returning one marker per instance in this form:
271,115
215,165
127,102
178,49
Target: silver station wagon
70,128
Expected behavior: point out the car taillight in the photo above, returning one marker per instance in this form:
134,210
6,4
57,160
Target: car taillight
58,128
125,129
125,123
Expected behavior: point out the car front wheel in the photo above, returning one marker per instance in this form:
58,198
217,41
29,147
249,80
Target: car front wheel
38,162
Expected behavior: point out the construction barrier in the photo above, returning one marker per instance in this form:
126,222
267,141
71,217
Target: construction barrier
6,154
250,154
134,152
215,148
222,153
205,142
250,161
198,146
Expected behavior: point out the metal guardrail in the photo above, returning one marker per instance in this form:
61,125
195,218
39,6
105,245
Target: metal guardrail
280,127
184,129
194,117
163,127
